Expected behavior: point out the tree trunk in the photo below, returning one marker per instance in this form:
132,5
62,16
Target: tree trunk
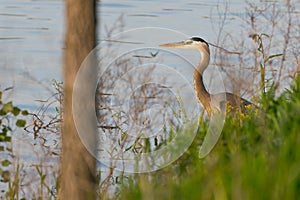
78,166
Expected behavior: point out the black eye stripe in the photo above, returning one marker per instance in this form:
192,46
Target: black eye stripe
198,39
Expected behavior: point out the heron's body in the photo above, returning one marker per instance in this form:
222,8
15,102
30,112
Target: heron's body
207,100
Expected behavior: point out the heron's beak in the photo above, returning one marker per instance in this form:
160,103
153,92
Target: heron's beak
174,45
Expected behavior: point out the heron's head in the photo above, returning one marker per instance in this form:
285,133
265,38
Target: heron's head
192,43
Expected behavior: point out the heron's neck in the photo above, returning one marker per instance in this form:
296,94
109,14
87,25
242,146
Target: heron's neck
201,92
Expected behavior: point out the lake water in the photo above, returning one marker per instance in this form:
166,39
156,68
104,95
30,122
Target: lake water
32,34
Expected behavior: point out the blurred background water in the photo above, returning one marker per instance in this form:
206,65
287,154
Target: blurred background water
32,34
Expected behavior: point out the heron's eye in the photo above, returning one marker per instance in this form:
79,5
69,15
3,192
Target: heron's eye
188,42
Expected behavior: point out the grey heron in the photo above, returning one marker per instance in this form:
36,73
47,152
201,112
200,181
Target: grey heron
204,97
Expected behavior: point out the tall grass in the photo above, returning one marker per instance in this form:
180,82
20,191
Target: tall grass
257,157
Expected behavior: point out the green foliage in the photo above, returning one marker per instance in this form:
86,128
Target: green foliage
13,186
5,163
5,175
257,157
8,113
21,123
265,84
9,119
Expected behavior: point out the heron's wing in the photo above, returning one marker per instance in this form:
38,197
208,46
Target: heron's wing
239,102
229,101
